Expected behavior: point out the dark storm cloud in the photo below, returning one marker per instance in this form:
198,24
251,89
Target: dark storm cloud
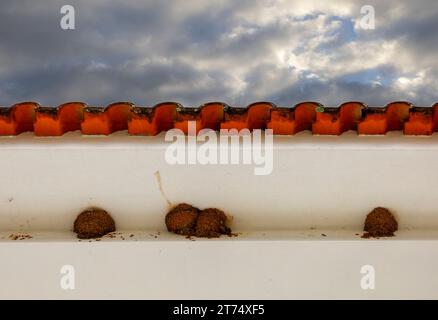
101,85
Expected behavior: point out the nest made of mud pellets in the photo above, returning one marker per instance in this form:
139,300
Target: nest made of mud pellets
187,220
380,222
93,223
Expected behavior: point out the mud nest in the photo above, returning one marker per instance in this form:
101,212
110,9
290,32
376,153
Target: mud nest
93,223
380,223
187,220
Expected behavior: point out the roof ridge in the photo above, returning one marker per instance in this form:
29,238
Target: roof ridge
139,120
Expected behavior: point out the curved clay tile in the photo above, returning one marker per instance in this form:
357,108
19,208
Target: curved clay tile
186,115
104,121
17,118
57,121
152,121
212,115
255,116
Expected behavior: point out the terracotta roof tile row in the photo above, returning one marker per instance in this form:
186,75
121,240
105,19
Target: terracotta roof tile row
72,116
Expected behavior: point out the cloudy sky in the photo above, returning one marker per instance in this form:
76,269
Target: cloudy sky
193,51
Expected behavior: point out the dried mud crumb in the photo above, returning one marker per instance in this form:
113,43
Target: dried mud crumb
20,236
380,222
233,234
